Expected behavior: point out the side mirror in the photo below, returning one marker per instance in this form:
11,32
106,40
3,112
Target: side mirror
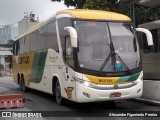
148,35
73,35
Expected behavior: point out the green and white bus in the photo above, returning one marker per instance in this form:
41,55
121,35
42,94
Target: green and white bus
82,56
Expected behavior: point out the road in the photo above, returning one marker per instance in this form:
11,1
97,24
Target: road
38,101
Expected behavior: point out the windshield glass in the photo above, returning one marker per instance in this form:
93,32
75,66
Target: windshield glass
94,40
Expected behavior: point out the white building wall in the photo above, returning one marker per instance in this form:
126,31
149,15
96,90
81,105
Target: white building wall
25,24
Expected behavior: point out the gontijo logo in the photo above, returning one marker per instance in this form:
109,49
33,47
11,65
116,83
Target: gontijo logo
23,60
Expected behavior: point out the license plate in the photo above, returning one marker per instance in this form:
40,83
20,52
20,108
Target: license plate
116,94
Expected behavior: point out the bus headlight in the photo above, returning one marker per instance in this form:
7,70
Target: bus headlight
139,80
84,82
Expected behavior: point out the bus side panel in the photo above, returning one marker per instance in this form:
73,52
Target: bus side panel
15,72
22,65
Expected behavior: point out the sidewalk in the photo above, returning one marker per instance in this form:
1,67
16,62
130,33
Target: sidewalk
151,92
148,101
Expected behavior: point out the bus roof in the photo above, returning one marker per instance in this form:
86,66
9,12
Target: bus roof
94,14
82,14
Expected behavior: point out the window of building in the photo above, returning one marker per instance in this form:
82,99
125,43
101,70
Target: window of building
144,44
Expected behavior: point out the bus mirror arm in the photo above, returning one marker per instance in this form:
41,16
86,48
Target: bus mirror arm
73,35
148,35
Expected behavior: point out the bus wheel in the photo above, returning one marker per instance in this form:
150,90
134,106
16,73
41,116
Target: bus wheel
22,85
59,98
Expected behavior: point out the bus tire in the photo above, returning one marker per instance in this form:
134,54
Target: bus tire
22,84
59,98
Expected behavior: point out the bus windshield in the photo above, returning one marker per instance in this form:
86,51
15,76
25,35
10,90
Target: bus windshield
95,51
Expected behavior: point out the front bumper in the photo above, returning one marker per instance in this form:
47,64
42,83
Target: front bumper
87,94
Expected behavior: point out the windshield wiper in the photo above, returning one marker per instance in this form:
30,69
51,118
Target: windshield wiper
113,55
123,63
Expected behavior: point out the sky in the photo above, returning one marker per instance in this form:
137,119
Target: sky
12,11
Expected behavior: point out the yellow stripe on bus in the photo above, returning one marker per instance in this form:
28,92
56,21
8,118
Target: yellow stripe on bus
102,80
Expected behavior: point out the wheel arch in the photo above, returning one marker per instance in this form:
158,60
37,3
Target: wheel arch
54,80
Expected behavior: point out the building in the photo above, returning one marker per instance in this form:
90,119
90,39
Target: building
26,23
8,32
151,55
11,31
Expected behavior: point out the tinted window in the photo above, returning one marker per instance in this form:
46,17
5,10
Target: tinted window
52,36
69,52
27,43
41,43
33,40
17,49
62,23
22,47
14,48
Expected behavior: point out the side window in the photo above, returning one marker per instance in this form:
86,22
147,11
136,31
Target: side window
17,47
69,52
14,48
27,43
41,38
63,22
52,37
34,40
22,47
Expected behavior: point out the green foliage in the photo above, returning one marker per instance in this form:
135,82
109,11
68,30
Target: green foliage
96,5
110,5
142,14
10,42
8,59
75,3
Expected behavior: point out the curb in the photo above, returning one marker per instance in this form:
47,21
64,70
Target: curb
148,101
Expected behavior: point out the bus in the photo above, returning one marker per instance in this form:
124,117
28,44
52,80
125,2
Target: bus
82,56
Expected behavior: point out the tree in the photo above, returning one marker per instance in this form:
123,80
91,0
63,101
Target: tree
96,4
10,42
75,3
111,5
142,14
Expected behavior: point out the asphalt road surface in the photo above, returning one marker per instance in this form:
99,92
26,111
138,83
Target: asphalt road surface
38,101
